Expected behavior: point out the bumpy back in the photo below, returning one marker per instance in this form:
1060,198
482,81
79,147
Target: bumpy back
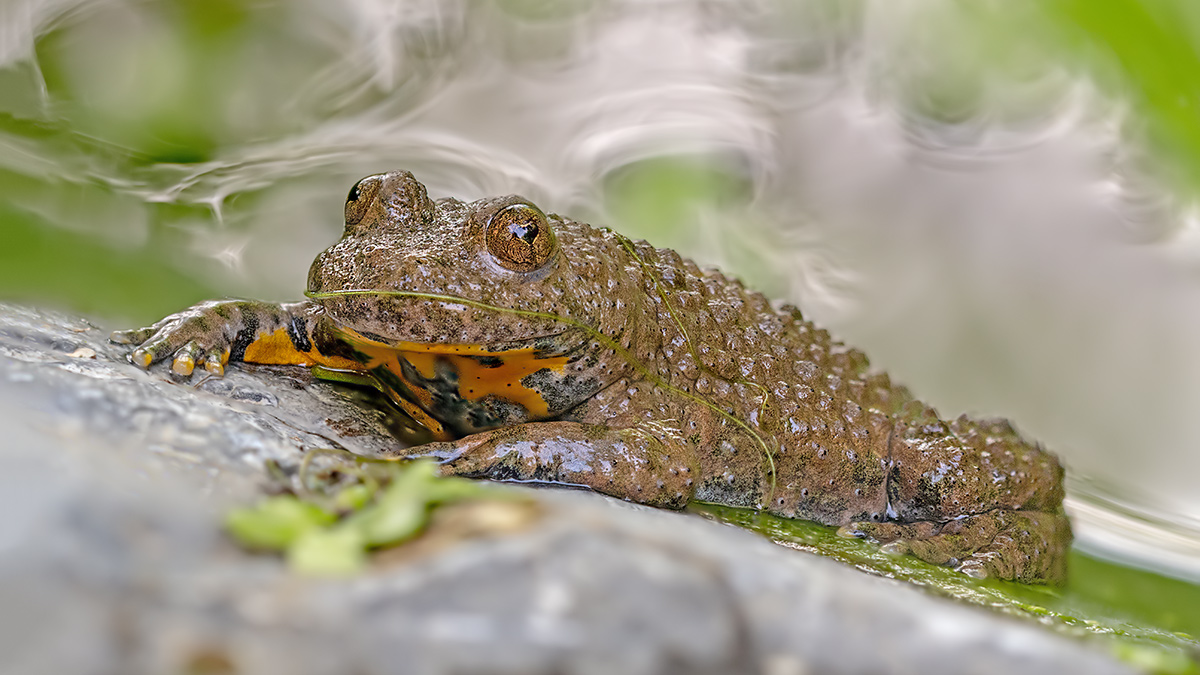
844,442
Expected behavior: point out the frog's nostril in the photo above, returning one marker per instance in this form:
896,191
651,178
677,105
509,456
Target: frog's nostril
407,198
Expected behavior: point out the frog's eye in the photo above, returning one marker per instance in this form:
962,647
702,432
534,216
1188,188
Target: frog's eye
520,238
360,198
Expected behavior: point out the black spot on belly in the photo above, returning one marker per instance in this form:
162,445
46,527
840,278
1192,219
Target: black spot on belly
329,343
243,338
560,392
297,333
460,416
391,380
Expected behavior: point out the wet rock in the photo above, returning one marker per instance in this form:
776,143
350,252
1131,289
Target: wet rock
112,486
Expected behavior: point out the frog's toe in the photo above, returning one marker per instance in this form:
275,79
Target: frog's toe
974,568
183,339
151,352
185,358
135,336
215,360
141,357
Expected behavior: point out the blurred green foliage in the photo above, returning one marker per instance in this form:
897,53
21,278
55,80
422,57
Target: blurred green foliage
1151,48
661,197
1145,52
166,104
983,60
40,263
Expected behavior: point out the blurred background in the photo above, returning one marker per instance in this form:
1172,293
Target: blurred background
994,199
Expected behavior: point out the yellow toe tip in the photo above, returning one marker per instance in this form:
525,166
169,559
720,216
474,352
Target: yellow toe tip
183,365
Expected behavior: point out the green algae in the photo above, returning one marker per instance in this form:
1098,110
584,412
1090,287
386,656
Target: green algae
1147,620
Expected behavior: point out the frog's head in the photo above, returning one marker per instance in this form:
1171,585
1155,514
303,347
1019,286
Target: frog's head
493,280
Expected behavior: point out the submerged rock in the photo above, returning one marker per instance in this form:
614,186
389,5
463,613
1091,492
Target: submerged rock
113,483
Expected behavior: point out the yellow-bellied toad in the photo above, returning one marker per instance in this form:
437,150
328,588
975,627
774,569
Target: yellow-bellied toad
537,348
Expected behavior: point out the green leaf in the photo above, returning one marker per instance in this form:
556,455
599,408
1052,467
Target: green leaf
401,510
338,551
276,522
353,498
319,545
382,525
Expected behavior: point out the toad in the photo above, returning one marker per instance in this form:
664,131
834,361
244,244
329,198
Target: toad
536,348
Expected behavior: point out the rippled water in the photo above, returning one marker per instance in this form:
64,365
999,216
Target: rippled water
980,220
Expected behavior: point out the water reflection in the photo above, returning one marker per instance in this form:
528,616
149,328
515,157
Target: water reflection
973,213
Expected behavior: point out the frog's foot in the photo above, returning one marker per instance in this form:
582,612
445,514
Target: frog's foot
1027,546
200,335
631,463
212,333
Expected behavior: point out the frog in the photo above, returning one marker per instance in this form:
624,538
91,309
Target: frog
535,348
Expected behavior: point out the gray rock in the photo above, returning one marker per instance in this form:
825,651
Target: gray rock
112,486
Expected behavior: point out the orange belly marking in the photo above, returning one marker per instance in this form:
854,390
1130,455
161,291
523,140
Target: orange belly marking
276,348
475,380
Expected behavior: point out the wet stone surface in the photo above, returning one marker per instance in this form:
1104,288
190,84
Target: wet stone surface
113,483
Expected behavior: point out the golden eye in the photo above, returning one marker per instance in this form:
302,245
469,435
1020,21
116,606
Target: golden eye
360,198
519,238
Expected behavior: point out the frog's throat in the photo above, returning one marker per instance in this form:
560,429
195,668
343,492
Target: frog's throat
479,372
596,335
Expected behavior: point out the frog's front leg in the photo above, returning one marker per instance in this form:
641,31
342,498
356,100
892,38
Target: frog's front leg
642,463
215,332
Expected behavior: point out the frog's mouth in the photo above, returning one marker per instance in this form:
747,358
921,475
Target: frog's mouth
547,330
